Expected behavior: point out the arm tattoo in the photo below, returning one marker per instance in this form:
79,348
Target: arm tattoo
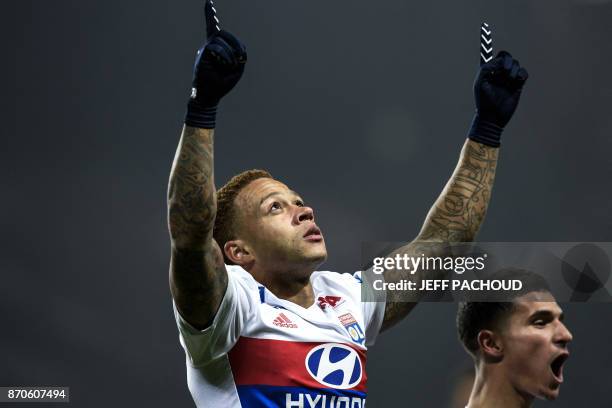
191,193
459,211
198,278
198,289
456,216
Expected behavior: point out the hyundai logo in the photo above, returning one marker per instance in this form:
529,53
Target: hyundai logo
334,365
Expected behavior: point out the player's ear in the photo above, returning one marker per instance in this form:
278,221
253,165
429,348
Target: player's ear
238,252
490,344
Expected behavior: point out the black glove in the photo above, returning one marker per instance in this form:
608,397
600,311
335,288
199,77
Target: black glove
218,68
497,90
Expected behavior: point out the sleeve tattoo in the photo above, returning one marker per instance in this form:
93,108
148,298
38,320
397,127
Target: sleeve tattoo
191,192
456,216
458,213
198,278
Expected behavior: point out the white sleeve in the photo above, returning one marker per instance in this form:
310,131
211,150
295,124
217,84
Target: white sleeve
235,310
373,307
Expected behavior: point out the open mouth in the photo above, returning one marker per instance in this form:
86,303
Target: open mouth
313,234
557,366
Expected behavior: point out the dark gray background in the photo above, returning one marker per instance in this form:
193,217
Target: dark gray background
360,106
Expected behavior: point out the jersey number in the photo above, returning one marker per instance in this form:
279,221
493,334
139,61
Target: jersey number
328,300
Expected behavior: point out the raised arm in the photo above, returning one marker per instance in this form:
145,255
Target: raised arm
459,211
198,278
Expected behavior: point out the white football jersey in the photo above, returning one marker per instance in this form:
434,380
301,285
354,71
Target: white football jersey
262,351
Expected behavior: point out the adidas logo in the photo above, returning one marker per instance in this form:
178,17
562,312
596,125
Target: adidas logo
283,321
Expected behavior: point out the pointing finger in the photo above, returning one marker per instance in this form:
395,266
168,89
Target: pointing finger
212,22
486,43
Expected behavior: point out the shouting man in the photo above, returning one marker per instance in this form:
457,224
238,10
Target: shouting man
259,326
519,346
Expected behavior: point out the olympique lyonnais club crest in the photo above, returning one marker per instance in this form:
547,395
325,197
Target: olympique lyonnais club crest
352,327
347,320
